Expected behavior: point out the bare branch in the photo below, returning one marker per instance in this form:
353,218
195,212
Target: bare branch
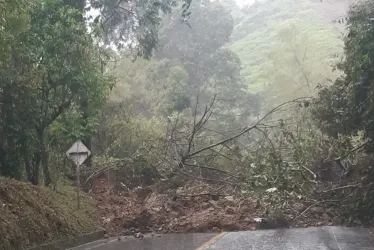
314,204
211,168
245,130
339,188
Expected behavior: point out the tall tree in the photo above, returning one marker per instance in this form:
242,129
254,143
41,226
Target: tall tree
347,106
119,22
199,48
50,68
14,20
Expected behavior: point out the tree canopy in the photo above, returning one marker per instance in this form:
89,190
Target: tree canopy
51,65
347,106
286,45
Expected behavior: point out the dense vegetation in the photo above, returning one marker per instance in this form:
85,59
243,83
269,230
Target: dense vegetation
53,76
261,98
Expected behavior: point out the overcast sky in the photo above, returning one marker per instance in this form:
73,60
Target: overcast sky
241,3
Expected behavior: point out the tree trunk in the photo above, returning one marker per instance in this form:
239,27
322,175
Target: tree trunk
10,165
3,162
44,156
26,161
35,168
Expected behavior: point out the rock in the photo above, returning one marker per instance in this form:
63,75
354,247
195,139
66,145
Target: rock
211,209
258,220
317,210
139,235
213,203
229,198
245,209
336,220
106,236
325,217
174,214
318,224
215,229
330,213
205,205
229,210
106,220
215,197
102,229
157,209
142,192
299,207
158,235
357,222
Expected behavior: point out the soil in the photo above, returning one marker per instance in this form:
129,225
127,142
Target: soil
144,210
31,215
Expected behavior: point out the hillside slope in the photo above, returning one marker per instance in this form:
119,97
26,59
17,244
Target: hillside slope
289,42
32,215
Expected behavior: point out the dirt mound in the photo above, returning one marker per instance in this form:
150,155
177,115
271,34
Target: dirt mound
193,209
32,215
130,212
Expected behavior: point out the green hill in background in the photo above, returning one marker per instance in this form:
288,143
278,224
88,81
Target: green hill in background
289,44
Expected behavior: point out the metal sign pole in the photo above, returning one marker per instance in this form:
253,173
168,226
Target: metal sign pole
78,185
78,179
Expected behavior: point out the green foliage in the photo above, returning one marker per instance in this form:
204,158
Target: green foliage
199,49
138,21
347,107
135,139
152,87
13,20
191,66
285,45
209,28
52,66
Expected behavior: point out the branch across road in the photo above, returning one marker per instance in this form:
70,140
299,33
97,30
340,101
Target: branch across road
317,238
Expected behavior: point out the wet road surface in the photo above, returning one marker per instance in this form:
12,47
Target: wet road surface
165,242
322,238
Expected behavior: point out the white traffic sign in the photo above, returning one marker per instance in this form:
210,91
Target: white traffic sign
78,153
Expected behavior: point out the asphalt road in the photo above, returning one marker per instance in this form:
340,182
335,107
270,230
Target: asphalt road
322,238
165,242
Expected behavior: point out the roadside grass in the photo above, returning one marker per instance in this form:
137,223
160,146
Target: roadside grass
32,215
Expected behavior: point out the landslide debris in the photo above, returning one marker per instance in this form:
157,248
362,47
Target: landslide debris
193,209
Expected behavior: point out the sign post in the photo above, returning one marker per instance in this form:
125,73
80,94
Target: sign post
78,153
